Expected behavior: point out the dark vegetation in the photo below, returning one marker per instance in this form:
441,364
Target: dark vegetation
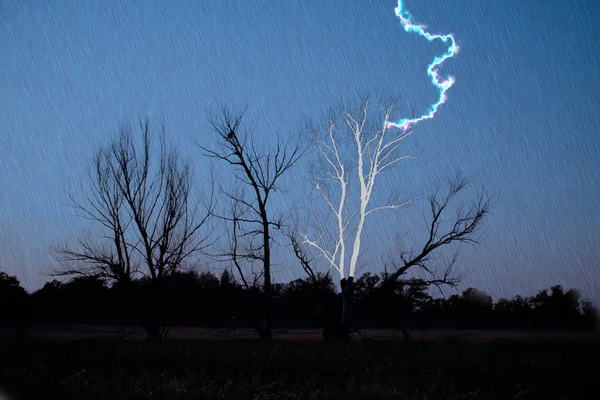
192,299
290,370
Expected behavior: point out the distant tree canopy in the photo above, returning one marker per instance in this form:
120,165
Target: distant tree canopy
14,300
203,299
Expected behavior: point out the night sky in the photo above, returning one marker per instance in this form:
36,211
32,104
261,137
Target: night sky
521,120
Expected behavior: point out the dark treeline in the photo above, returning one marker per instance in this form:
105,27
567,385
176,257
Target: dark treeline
203,299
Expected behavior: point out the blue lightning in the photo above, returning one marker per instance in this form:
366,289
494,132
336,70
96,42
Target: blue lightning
432,69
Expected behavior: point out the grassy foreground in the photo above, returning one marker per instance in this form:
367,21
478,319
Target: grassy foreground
105,369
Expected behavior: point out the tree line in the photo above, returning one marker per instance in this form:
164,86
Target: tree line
151,221
203,299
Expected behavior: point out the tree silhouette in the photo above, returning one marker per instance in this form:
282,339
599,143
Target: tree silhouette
260,171
14,304
142,200
557,308
516,312
473,306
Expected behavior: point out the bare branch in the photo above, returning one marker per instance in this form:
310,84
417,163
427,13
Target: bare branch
461,230
142,201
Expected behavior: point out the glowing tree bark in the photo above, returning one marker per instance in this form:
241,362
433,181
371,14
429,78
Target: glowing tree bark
374,147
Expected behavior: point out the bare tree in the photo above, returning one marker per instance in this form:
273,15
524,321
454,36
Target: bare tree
260,171
142,199
104,204
442,231
461,229
374,149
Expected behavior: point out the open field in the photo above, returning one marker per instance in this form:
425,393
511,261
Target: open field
68,332
288,369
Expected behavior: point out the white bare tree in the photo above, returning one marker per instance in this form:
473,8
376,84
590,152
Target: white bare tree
374,149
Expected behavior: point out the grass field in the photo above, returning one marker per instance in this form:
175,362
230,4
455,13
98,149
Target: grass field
70,332
288,369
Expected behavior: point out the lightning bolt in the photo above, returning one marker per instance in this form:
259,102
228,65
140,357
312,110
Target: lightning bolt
432,69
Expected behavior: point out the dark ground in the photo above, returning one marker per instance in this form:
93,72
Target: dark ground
89,365
69,332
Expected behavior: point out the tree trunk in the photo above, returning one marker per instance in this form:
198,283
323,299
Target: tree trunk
125,305
341,332
347,300
154,312
266,328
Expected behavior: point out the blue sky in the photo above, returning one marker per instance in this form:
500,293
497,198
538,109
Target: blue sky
521,120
